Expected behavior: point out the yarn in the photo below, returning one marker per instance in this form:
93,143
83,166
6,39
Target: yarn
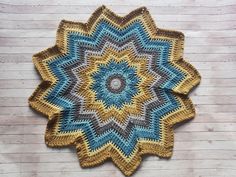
114,87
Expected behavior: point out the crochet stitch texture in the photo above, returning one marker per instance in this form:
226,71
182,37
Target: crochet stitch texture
114,87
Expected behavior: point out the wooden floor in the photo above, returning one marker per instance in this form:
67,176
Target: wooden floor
204,147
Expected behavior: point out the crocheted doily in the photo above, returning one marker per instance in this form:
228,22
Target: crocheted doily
114,87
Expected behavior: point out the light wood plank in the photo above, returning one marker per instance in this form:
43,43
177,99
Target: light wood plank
52,33
124,2
44,42
82,14
202,66
198,100
183,145
27,57
140,173
178,25
188,50
213,91
191,127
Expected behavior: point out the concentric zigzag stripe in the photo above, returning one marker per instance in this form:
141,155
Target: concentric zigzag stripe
59,84
127,57
100,54
124,144
125,149
113,125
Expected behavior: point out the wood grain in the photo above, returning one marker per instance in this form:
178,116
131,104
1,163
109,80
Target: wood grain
205,146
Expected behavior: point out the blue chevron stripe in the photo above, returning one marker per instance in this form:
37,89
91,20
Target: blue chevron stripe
95,39
104,29
127,145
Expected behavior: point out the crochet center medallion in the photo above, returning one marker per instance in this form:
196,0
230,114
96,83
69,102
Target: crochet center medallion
114,87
